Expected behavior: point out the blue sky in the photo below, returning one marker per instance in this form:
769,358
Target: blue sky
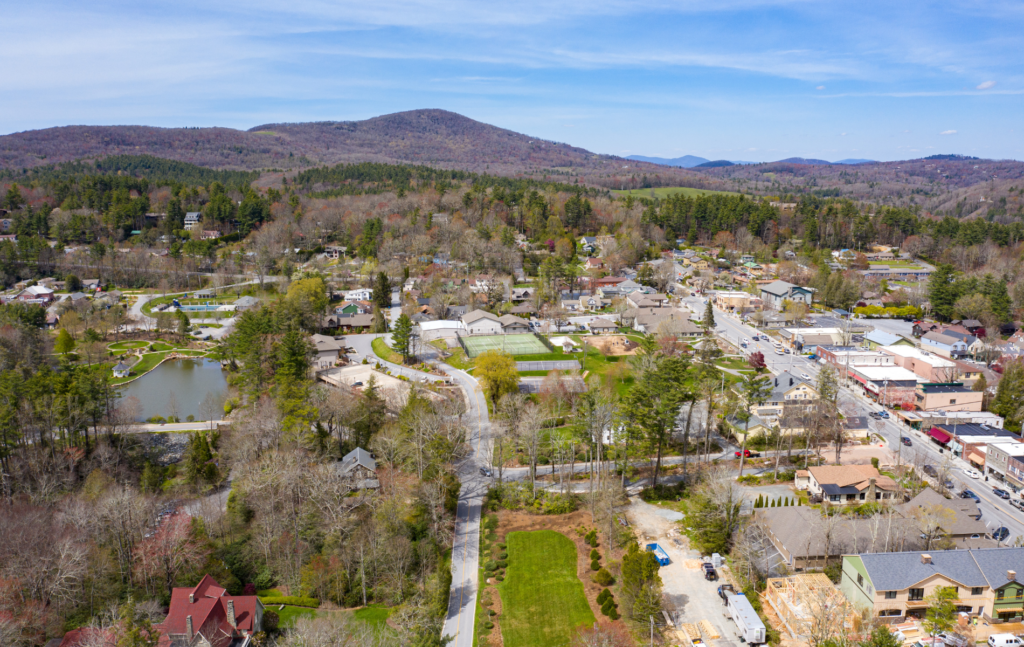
735,79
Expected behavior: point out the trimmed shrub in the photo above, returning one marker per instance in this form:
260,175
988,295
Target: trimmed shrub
594,554
614,614
502,555
502,563
500,578
604,577
603,595
491,565
270,621
608,606
489,625
492,612
595,565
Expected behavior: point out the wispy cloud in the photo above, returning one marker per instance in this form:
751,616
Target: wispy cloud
986,85
948,132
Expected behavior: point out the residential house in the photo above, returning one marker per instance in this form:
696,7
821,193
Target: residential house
778,292
973,326
588,243
571,305
479,322
789,392
359,469
246,303
974,344
354,308
755,426
206,616
593,263
602,326
192,219
894,586
774,319
697,263
642,300
944,345
737,302
328,350
947,396
360,294
522,294
921,328
334,252
36,294
355,323
209,234
523,309
511,324
849,484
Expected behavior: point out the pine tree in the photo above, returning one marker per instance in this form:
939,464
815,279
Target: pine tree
64,343
401,338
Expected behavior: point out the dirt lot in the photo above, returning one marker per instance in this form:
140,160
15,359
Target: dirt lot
613,344
689,597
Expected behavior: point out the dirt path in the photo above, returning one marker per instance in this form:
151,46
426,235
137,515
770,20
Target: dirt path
613,344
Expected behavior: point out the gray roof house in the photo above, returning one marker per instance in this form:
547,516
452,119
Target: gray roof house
944,345
360,468
777,292
246,303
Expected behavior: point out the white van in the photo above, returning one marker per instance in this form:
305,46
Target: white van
1004,640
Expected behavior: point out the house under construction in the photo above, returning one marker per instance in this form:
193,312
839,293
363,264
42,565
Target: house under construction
801,601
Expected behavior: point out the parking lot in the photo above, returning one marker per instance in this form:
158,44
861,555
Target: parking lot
689,597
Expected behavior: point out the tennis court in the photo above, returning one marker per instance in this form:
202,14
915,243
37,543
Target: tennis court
527,344
569,365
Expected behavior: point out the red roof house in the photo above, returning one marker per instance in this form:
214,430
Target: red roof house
206,616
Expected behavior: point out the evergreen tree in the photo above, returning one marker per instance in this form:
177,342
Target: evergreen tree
980,384
382,292
708,323
64,343
183,322
941,292
641,584
401,338
1009,398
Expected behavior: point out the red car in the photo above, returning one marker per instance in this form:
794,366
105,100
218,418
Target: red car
748,454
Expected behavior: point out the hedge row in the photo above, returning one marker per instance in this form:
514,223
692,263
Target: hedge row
291,600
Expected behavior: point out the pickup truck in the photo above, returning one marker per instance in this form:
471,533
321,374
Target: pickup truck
748,454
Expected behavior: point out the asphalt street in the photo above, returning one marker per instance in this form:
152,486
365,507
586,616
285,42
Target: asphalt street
996,512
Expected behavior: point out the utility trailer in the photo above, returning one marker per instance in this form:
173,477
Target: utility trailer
659,554
751,629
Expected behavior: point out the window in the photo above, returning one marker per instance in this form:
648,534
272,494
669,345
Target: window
833,497
1020,593
890,595
1000,594
952,400
862,495
860,580
916,595
977,590
878,495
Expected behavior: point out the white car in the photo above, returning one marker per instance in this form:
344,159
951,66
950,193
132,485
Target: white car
972,473
746,341
805,376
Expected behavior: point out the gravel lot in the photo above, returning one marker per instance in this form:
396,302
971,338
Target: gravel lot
689,597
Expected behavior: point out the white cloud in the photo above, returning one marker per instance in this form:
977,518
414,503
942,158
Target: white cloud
986,85
948,132
820,87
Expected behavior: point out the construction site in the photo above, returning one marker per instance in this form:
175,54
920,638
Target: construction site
809,605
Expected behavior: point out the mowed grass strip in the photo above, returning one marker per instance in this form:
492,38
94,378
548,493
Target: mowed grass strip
542,600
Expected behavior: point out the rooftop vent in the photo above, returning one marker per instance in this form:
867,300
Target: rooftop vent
926,559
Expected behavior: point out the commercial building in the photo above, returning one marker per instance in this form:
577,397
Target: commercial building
879,338
948,396
845,357
929,366
928,419
968,441
897,585
997,461
732,301
888,385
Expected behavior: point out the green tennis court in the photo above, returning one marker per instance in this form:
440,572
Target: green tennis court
527,344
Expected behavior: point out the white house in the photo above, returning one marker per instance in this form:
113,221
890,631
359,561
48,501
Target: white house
944,345
362,294
479,322
192,219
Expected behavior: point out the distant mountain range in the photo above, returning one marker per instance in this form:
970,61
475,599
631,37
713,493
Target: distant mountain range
692,161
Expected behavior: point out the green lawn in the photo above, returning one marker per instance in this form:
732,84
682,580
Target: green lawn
542,600
127,345
290,615
148,362
733,363
382,351
665,191
374,614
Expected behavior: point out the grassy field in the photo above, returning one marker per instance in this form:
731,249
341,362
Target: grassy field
382,351
373,614
542,599
127,345
665,191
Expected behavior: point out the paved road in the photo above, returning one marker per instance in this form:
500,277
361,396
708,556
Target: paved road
995,511
362,344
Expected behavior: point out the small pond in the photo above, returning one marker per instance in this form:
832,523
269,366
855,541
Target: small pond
179,388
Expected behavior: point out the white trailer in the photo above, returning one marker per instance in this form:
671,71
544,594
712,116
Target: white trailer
751,629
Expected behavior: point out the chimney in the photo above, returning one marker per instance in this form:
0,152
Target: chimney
1011,575
231,614
188,626
871,489
191,598
926,559
791,381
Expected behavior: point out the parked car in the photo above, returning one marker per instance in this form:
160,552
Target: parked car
967,494
930,471
906,441
787,351
709,572
747,454
974,474
884,415
1017,504
1000,533
486,471
1002,494
804,376
1003,640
